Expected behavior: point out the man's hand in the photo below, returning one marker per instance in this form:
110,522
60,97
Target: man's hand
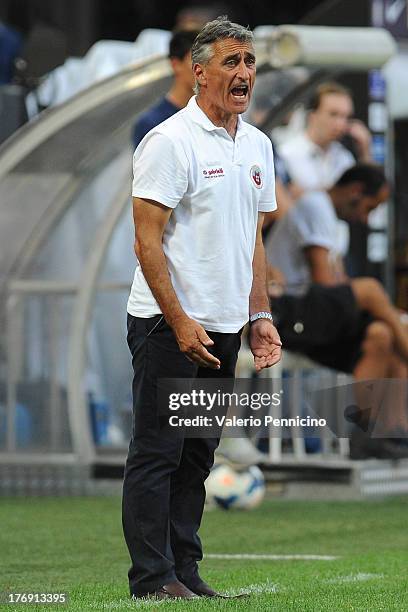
192,340
265,344
275,281
362,136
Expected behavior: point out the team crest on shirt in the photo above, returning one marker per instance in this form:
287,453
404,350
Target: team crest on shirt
256,176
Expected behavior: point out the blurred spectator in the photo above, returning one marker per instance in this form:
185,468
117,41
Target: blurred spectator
305,245
44,49
104,58
315,159
348,325
181,89
10,45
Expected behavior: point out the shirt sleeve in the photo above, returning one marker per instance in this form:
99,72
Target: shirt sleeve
313,224
267,201
160,170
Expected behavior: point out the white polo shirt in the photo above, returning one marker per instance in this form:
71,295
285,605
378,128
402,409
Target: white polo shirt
312,167
216,186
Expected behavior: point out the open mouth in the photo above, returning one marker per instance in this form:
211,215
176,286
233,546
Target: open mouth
239,92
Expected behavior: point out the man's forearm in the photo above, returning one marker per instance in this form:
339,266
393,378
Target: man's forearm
154,267
258,299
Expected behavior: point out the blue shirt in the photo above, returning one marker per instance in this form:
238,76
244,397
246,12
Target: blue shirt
152,117
10,44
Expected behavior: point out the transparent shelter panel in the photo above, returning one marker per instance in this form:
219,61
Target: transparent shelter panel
119,259
66,249
89,141
34,414
24,197
63,170
108,370
271,89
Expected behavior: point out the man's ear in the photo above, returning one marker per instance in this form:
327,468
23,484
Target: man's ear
356,189
199,73
175,64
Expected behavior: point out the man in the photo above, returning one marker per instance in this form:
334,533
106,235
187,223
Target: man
10,46
180,91
305,244
315,159
202,181
346,324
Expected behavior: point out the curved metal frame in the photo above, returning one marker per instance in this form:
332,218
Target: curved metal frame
77,409
51,121
12,153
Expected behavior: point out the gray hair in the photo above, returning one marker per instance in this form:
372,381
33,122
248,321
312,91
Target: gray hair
219,29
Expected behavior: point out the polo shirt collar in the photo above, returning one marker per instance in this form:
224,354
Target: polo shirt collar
315,148
199,116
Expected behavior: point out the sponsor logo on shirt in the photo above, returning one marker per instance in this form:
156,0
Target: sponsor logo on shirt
213,173
256,176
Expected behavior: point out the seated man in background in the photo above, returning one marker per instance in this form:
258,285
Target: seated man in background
181,89
315,159
346,324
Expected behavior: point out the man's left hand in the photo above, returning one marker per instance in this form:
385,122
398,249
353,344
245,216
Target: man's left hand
265,344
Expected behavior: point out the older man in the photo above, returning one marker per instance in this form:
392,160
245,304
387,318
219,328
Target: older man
202,181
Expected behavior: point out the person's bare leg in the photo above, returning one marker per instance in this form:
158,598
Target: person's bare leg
374,365
370,296
375,361
383,404
392,417
399,370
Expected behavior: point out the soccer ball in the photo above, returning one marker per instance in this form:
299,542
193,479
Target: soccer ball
228,488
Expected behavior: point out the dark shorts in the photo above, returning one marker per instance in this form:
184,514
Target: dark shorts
325,324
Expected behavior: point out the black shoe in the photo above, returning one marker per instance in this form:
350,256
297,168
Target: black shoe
399,437
172,590
364,447
202,589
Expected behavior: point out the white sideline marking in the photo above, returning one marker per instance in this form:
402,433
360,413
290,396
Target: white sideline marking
120,604
254,589
360,577
263,557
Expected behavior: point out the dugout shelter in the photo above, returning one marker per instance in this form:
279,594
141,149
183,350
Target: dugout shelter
67,261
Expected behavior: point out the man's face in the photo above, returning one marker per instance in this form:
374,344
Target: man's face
360,205
332,116
228,79
183,71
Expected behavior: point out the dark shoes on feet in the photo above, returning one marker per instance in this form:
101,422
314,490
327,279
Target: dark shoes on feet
364,447
178,590
202,589
172,590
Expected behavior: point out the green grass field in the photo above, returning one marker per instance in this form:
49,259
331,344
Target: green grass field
75,545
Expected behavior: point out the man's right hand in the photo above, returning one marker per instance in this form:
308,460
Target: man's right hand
192,340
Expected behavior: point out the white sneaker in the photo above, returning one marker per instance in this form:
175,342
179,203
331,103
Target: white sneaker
239,452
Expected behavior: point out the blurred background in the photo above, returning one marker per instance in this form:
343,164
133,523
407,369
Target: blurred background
74,77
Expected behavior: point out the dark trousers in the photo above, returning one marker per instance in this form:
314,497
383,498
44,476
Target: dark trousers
163,490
